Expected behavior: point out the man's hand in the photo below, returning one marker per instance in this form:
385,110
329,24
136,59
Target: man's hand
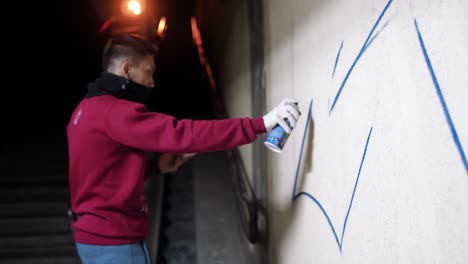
288,109
169,163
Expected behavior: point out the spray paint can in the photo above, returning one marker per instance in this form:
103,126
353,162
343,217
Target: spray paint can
277,138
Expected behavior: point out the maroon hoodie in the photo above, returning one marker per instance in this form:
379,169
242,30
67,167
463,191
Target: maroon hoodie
108,138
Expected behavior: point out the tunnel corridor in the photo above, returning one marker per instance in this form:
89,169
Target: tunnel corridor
195,213
374,172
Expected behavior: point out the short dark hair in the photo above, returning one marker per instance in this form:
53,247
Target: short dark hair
132,46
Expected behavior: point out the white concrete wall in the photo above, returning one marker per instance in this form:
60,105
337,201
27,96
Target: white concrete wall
230,33
236,82
408,202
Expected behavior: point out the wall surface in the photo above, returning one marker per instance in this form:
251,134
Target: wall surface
383,173
226,26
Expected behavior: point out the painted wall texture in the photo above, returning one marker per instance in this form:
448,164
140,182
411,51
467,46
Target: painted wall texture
229,32
379,172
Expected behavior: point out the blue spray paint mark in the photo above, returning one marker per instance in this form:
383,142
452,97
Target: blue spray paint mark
441,98
302,148
377,34
337,59
339,241
363,49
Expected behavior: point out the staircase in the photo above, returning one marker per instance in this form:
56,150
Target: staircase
201,221
34,199
199,217
177,237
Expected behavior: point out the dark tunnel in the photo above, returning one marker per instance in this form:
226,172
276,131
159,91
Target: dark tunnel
58,51
53,50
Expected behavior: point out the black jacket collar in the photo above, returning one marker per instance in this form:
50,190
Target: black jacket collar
111,84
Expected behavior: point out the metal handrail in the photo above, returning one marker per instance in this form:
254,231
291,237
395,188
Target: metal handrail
249,205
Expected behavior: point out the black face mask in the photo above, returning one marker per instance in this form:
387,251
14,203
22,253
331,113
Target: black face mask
135,92
119,87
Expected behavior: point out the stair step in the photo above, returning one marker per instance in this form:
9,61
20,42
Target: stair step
178,245
27,179
31,209
183,212
183,234
179,187
38,252
180,198
37,194
36,225
180,254
45,260
51,160
34,198
34,241
19,161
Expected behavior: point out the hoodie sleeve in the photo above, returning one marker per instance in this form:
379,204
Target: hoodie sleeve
133,125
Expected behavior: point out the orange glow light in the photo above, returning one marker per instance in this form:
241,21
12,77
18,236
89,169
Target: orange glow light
107,24
197,40
134,6
162,26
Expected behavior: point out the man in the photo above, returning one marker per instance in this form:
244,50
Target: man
109,134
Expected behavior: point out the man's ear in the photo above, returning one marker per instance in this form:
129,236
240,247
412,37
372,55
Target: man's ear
125,69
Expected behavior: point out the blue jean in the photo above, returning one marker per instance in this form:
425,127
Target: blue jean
136,253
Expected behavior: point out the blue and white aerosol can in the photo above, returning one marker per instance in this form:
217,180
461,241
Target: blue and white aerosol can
277,138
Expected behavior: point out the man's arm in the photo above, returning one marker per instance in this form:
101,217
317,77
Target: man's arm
166,163
170,163
133,125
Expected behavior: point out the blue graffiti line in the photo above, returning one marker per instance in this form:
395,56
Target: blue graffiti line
339,241
377,34
302,148
337,59
441,99
363,49
366,46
